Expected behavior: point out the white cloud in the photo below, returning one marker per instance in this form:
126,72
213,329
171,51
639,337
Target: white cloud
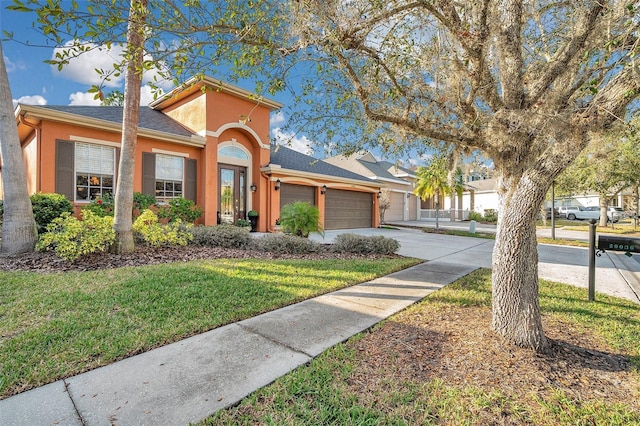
278,119
146,95
13,66
289,139
82,69
80,98
30,100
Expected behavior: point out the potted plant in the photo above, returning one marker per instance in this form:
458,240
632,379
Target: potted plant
277,227
300,219
253,218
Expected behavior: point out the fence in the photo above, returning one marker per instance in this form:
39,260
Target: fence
446,214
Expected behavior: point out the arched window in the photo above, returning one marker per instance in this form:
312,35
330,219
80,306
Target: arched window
233,152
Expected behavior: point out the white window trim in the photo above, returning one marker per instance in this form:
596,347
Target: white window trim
94,141
166,152
75,170
182,180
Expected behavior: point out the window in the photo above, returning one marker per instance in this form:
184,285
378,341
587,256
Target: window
233,152
94,169
169,177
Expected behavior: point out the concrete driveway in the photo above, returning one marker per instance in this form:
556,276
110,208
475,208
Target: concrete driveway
616,274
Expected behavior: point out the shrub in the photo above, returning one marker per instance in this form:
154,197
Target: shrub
243,223
102,206
490,215
180,208
142,201
300,219
473,215
226,236
47,207
252,213
72,238
352,243
158,235
286,244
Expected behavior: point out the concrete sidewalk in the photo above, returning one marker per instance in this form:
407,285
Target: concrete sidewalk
191,379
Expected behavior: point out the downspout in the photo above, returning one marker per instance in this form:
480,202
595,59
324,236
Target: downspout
36,128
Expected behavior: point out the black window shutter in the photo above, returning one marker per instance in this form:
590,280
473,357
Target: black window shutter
191,179
65,155
149,173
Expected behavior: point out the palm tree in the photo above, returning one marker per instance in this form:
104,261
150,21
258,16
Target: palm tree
434,180
19,232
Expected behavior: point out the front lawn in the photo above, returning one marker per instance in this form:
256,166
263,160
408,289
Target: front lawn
57,325
438,363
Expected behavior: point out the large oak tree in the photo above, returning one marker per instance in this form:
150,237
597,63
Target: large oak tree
527,83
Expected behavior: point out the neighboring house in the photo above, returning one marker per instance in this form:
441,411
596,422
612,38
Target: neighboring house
206,141
480,195
399,181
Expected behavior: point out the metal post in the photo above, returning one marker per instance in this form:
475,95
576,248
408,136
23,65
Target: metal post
553,210
592,260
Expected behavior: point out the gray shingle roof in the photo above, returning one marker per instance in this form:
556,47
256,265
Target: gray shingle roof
149,119
287,158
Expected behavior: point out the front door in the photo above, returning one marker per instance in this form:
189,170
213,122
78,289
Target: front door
232,198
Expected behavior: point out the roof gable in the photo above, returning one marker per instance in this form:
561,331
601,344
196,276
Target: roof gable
149,118
287,158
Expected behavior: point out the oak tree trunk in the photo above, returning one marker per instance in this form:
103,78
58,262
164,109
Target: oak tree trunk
122,222
516,310
19,231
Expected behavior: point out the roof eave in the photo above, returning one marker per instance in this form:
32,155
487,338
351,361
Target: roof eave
274,168
96,123
195,83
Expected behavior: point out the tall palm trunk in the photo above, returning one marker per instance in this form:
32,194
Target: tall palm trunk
19,232
133,79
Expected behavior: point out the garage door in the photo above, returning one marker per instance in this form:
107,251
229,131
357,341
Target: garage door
290,193
395,212
348,209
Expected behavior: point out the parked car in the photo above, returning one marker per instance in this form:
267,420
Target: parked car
568,211
593,212
557,214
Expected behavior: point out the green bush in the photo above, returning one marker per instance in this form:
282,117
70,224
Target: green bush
158,235
490,215
180,208
243,223
72,238
47,207
352,243
473,215
300,219
102,206
226,236
286,244
142,201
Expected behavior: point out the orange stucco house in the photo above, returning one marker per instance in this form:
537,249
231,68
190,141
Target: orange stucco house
207,141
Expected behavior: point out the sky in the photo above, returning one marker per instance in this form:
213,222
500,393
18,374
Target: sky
34,82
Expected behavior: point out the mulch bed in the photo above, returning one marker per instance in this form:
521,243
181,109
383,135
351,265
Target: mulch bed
49,262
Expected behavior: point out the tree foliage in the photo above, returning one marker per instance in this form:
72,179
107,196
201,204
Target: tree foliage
526,83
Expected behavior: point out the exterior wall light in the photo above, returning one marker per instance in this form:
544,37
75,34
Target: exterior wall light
323,190
379,194
253,187
277,187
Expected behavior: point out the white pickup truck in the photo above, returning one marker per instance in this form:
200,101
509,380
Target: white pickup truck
583,213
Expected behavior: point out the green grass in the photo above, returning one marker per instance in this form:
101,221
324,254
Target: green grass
58,325
320,392
460,233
